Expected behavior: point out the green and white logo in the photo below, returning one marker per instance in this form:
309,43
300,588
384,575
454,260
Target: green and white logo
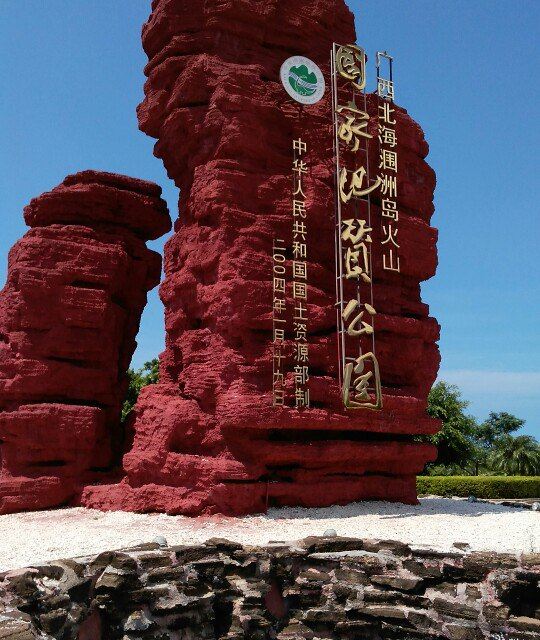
302,79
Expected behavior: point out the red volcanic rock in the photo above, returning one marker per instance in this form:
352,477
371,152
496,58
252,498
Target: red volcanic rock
69,314
96,197
207,438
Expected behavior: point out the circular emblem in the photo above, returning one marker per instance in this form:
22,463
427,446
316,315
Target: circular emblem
302,79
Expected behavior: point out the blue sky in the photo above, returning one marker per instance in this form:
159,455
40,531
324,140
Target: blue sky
465,69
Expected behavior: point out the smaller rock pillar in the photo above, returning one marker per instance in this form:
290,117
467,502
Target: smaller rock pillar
69,313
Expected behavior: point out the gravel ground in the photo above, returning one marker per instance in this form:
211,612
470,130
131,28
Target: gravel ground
30,538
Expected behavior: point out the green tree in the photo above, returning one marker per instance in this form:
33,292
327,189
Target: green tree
147,374
455,441
518,456
490,433
468,447
497,426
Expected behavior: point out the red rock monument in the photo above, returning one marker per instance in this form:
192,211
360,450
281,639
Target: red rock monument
208,437
250,281
69,314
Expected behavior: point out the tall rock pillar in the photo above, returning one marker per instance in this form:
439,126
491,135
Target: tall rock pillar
207,437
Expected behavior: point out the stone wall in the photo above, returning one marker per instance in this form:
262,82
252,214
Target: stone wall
318,588
70,310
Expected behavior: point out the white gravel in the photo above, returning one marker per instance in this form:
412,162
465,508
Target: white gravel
31,538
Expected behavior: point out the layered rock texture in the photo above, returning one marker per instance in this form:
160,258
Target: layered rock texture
69,313
207,438
339,588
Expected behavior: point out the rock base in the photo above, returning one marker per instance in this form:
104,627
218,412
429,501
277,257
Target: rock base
341,588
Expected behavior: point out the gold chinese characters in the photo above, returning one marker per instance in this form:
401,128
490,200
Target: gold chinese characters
351,65
299,279
388,164
278,321
297,288
353,128
355,232
358,377
351,184
361,383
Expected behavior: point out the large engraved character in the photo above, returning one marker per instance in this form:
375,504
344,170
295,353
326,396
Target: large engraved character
351,65
357,382
356,187
354,127
358,326
357,258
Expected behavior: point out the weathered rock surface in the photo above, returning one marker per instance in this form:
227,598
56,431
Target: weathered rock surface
342,588
69,313
207,438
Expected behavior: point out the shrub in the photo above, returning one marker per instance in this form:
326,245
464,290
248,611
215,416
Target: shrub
147,374
480,486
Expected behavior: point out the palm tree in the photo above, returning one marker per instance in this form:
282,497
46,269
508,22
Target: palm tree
517,456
